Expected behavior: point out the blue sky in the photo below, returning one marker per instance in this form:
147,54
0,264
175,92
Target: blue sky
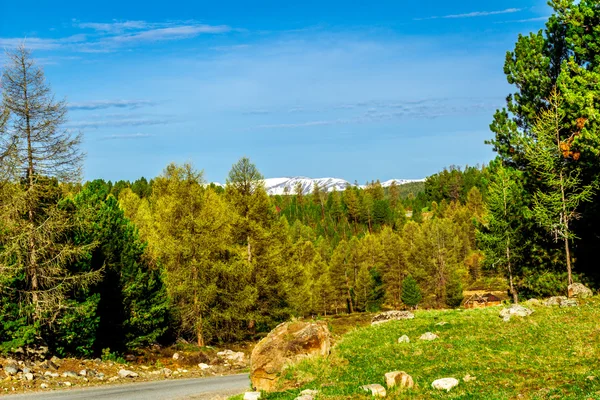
357,90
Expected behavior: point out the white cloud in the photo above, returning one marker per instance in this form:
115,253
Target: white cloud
473,14
173,33
127,136
103,104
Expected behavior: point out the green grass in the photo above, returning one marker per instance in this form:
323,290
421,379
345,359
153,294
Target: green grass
549,355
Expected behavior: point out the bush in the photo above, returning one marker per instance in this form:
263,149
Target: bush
411,294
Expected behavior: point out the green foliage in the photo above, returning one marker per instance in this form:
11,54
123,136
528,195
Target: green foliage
411,294
75,331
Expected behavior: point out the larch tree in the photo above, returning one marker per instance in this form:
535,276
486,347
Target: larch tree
561,191
42,154
502,225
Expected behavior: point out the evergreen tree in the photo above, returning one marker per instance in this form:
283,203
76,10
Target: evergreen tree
556,202
411,294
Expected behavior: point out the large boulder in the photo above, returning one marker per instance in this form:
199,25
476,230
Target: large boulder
287,344
580,291
391,316
554,301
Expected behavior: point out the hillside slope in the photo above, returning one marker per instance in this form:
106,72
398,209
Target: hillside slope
553,354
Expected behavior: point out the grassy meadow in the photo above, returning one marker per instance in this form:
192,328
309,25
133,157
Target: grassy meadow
553,354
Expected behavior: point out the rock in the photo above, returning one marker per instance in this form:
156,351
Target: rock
26,370
376,389
391,316
51,374
445,384
403,339
399,378
580,291
234,357
83,372
515,310
67,383
28,376
309,392
251,395
167,371
554,301
429,336
286,344
113,378
203,366
44,386
69,374
11,370
130,358
124,373
533,302
100,375
176,356
56,361
569,303
469,378
442,323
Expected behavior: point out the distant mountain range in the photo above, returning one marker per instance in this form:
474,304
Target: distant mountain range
277,186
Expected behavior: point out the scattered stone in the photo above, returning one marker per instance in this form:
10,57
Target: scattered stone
391,316
124,373
445,384
97,360
376,389
26,370
569,303
232,356
83,372
429,336
251,395
515,310
442,323
533,302
113,378
44,386
403,339
176,356
69,374
67,383
580,291
305,397
286,344
469,378
130,358
51,374
56,361
554,301
167,371
204,366
309,392
399,378
28,376
11,370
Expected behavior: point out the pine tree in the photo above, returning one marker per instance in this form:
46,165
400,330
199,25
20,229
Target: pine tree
43,153
556,202
411,294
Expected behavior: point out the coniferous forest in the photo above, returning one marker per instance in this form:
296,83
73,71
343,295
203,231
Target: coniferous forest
88,266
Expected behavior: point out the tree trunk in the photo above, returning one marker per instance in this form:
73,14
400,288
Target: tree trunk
513,292
249,251
349,294
199,333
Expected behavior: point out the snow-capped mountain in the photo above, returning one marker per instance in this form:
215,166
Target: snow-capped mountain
277,186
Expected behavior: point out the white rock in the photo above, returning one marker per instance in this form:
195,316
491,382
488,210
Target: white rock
391,316
251,395
44,386
403,339
445,384
167,371
67,384
469,378
376,389
83,372
399,378
28,376
233,356
429,336
515,310
123,373
176,356
309,392
203,366
579,290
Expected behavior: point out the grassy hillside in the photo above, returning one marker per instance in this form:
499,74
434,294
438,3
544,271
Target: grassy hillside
553,354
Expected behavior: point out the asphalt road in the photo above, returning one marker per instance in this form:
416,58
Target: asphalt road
198,388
